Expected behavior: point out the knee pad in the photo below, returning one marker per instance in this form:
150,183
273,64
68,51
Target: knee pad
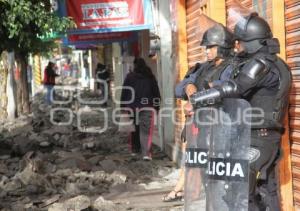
252,182
269,201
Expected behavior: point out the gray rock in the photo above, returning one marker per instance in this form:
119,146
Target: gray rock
127,171
72,189
45,144
34,136
49,168
34,189
50,201
96,168
103,205
3,194
78,203
29,177
37,137
64,172
164,171
57,207
64,139
117,177
154,185
108,166
4,157
19,129
23,145
89,145
65,154
97,176
28,206
74,163
12,185
17,206
76,149
3,168
3,181
96,159
57,129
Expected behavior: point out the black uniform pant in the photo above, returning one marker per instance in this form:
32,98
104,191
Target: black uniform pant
263,182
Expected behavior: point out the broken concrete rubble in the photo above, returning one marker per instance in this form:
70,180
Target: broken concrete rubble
50,167
117,178
108,165
104,205
75,163
78,203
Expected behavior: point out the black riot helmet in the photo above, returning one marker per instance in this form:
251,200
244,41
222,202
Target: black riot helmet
252,27
253,32
218,35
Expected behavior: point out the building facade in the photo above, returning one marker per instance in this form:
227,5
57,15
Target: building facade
284,19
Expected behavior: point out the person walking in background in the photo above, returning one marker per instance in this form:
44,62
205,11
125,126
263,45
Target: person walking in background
145,103
49,80
67,68
29,79
103,80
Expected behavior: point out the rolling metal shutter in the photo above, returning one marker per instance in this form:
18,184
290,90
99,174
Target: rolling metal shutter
245,3
193,10
292,14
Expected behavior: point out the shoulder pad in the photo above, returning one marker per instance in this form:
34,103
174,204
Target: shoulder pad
194,68
256,68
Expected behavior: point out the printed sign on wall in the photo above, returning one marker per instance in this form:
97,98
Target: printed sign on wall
93,16
76,39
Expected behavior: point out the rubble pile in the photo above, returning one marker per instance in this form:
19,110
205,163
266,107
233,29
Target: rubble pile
59,168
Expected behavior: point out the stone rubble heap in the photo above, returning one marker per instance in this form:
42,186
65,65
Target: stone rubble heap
58,168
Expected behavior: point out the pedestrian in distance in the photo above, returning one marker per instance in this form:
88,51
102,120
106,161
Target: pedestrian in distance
140,95
49,81
102,76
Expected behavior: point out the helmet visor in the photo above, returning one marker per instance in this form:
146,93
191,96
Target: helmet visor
237,14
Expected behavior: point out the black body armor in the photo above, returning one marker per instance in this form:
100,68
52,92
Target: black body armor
264,81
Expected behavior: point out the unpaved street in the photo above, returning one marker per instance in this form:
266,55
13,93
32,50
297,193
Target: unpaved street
59,168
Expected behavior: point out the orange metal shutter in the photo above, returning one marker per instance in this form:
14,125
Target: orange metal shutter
193,10
292,14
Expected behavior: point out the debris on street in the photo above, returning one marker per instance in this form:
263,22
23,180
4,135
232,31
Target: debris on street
46,166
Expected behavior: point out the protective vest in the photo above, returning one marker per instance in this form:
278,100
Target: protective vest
210,73
274,102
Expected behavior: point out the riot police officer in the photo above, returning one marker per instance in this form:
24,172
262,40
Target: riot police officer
219,44
264,81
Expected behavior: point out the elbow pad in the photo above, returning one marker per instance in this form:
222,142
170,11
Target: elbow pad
214,95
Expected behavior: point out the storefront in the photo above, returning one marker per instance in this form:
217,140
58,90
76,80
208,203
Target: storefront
115,31
284,19
109,32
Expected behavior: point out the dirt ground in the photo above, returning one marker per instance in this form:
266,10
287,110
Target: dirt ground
64,167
